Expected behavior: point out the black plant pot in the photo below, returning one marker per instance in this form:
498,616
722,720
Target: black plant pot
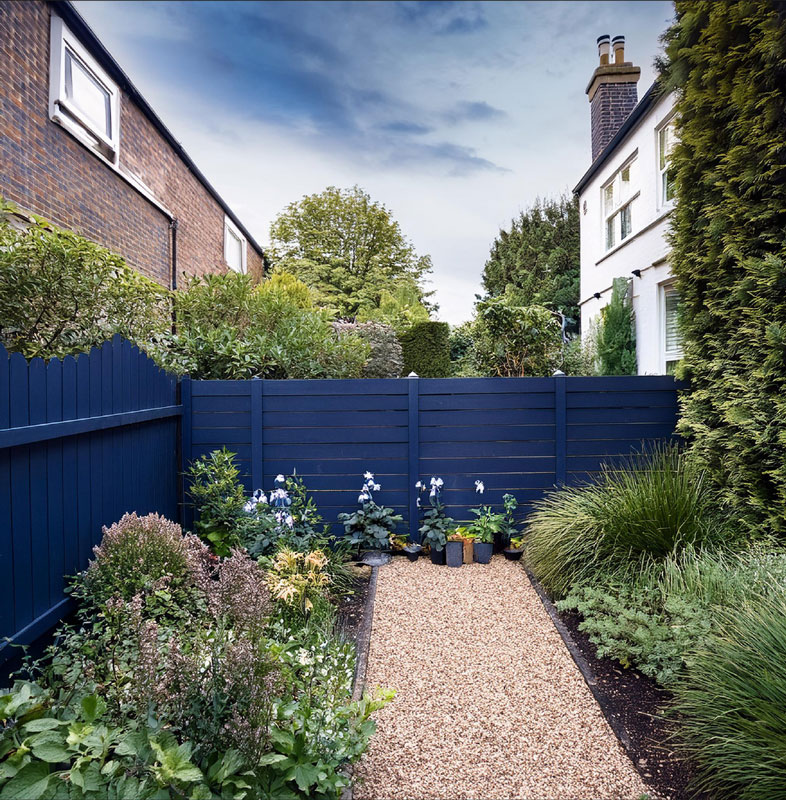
412,551
454,554
437,556
483,552
513,555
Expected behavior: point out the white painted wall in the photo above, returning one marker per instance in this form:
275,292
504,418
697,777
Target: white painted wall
644,249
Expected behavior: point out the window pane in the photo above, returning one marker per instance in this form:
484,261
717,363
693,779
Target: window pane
625,226
85,92
233,251
668,185
610,232
671,366
670,305
608,198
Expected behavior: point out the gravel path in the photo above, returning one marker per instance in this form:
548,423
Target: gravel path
490,704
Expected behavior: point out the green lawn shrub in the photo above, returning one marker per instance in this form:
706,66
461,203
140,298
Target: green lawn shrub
385,359
648,507
61,294
733,702
426,350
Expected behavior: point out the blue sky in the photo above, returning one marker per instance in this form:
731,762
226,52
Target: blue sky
455,115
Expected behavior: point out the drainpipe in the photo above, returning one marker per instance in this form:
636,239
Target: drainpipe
173,227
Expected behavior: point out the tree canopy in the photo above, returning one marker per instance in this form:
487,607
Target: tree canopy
348,249
539,255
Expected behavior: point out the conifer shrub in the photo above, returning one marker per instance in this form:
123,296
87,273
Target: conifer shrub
727,62
426,350
616,337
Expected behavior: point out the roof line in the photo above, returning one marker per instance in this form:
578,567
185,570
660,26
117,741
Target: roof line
85,34
647,101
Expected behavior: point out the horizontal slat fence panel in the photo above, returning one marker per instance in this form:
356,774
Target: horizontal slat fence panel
517,435
83,440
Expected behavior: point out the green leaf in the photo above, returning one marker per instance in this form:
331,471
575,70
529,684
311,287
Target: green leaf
271,758
44,724
306,775
50,746
30,782
284,740
93,707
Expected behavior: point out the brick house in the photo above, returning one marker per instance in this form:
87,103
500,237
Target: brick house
80,146
625,199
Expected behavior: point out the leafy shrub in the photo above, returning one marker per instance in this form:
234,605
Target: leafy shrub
435,524
400,308
516,340
462,350
651,506
218,498
732,702
728,251
615,340
426,350
61,293
385,358
299,582
371,525
230,328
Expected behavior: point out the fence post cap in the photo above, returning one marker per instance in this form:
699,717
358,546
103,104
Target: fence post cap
413,375
558,373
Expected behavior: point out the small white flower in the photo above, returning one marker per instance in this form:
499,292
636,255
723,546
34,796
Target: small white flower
419,485
259,496
479,487
280,478
418,502
363,498
250,506
439,482
279,494
433,481
376,487
369,476
433,493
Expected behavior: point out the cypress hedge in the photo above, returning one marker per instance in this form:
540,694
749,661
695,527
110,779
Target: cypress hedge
426,349
728,63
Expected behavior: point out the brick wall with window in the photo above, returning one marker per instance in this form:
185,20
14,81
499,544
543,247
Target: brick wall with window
67,171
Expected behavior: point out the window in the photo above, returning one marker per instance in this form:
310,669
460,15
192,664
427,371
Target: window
617,201
234,246
666,138
670,332
82,98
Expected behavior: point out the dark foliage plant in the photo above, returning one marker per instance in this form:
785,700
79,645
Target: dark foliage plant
615,339
426,350
385,359
727,62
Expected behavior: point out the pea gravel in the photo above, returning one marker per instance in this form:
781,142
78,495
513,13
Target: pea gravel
489,702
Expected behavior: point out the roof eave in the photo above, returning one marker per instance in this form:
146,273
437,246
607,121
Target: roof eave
88,38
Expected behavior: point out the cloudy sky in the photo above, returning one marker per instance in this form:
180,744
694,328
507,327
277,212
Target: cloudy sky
455,115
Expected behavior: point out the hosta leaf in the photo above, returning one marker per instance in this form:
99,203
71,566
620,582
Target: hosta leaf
32,781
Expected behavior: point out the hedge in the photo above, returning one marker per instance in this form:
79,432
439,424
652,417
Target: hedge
728,63
426,350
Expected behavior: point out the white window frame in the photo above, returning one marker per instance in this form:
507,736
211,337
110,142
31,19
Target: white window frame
63,111
666,355
230,229
621,204
663,203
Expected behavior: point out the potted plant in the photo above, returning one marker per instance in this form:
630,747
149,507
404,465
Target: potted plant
412,551
509,531
468,542
435,523
516,548
398,542
484,529
454,550
370,526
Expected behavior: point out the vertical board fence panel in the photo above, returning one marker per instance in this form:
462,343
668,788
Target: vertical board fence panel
82,441
517,435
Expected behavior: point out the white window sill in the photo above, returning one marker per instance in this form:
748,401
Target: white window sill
662,214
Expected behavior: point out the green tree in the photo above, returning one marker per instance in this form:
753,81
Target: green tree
540,256
426,350
727,62
512,339
616,336
401,309
347,248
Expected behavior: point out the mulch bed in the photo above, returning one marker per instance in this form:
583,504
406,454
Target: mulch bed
639,705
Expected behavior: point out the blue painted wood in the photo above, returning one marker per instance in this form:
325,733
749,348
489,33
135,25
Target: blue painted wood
6,533
54,484
257,470
38,496
560,429
71,466
413,455
186,454
633,399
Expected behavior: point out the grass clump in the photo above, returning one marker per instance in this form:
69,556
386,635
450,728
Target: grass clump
733,700
650,507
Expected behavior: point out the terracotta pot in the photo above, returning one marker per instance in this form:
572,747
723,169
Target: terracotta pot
469,550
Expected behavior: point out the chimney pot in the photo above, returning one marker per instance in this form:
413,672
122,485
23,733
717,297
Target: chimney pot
604,49
618,44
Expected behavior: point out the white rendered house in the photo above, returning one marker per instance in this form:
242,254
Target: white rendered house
625,198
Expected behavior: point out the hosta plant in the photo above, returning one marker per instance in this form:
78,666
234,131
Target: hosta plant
435,524
371,525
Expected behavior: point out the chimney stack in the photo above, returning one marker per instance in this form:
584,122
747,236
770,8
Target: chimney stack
612,92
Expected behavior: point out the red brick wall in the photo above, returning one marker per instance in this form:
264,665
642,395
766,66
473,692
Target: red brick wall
46,170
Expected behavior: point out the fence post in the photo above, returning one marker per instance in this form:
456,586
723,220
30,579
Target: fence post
560,429
413,470
257,478
186,420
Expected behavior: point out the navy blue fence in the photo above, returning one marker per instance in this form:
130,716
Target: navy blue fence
82,441
517,435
